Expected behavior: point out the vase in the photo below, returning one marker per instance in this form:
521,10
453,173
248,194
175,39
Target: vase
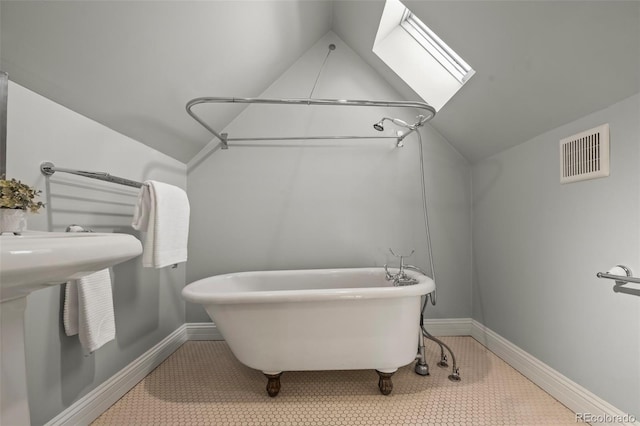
13,220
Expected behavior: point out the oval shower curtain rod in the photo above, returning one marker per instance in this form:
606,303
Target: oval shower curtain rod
223,137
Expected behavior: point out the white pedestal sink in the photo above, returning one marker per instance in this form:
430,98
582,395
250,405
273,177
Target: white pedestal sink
36,260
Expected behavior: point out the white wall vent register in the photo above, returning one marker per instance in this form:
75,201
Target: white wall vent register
585,155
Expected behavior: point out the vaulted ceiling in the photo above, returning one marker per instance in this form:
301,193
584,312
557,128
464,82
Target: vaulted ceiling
132,65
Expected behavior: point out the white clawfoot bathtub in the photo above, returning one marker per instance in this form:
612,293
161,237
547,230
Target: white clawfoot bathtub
322,319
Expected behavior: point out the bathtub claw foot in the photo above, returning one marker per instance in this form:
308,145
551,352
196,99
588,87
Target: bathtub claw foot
384,383
273,384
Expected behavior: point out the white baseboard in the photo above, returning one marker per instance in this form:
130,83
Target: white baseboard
448,327
90,406
569,393
203,331
436,327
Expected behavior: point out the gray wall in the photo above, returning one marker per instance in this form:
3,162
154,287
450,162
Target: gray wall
538,245
323,204
147,303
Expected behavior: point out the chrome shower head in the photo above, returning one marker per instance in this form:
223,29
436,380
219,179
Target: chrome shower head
379,127
421,119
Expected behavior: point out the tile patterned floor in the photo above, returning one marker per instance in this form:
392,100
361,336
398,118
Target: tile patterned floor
203,384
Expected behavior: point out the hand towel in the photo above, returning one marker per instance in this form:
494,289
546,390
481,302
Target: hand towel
162,211
88,310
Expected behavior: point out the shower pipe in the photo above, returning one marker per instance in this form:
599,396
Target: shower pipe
420,368
224,139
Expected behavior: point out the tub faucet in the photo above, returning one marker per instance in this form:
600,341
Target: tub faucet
401,278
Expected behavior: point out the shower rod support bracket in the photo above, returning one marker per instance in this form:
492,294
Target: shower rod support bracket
223,140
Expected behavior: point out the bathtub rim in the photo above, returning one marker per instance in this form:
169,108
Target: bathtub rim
193,292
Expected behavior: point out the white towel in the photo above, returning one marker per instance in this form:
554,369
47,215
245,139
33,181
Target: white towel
88,310
162,211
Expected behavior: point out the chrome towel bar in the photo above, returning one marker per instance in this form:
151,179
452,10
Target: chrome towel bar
620,279
48,169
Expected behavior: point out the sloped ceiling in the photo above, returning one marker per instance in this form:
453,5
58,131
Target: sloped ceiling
539,64
132,65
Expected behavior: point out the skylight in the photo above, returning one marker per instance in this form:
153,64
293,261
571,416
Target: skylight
418,56
436,47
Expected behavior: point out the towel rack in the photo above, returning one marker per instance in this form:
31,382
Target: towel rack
620,279
47,168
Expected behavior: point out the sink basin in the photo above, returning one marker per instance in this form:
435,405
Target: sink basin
35,260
